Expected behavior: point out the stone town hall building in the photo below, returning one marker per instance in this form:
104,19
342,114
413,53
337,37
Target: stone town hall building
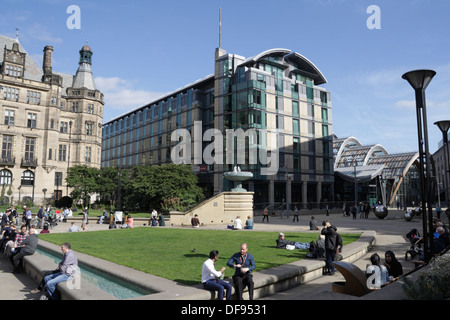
49,121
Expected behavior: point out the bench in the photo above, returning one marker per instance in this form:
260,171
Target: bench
356,281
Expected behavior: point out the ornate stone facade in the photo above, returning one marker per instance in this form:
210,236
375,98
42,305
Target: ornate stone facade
49,122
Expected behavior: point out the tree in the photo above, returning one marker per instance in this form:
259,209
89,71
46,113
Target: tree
146,187
107,184
84,181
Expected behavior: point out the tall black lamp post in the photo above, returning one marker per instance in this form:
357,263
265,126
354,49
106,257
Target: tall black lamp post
68,157
119,190
355,184
444,125
419,80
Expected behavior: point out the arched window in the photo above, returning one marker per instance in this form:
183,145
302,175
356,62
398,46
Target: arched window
5,177
27,178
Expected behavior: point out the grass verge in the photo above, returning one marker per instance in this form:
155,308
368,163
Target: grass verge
168,253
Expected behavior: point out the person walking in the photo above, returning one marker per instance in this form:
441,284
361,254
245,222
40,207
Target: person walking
295,214
353,210
347,210
266,215
366,210
29,216
40,216
438,211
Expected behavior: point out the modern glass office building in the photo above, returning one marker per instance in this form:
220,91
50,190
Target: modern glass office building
273,101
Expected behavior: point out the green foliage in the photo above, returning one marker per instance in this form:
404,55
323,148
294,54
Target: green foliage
433,282
83,180
107,182
166,187
64,202
171,203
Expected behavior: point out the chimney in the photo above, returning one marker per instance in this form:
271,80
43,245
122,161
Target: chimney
47,64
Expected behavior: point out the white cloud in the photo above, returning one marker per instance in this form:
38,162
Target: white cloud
405,104
383,77
120,95
40,32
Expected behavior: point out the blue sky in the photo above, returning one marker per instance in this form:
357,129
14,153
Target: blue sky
143,49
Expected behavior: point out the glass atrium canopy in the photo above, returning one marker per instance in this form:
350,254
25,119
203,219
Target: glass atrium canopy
357,163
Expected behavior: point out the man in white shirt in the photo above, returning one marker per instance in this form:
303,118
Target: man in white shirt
211,277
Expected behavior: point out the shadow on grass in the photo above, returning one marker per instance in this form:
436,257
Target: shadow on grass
196,255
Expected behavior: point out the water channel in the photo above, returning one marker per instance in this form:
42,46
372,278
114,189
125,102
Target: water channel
106,282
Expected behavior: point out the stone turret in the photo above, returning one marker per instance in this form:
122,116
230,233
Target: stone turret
84,77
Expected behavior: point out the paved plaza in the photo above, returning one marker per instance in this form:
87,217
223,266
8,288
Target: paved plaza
390,235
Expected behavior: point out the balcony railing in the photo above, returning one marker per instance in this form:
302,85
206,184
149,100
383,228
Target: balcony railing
7,161
29,162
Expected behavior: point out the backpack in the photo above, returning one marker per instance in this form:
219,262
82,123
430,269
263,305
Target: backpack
313,250
339,241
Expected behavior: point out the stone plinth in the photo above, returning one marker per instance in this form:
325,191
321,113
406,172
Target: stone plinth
221,209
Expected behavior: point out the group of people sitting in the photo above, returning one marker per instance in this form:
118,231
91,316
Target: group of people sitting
441,237
243,264
379,274
157,219
18,244
237,224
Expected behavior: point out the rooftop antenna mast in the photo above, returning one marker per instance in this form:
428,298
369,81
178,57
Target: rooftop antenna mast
17,34
220,27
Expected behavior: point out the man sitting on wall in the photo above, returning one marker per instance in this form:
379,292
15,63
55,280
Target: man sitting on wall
26,248
66,271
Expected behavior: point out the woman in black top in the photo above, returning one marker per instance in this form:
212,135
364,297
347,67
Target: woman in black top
394,267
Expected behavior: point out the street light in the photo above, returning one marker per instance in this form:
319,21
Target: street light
68,156
355,184
444,125
119,189
419,80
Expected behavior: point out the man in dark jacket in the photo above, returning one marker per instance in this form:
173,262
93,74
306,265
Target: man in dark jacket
329,232
28,247
282,243
244,263
5,218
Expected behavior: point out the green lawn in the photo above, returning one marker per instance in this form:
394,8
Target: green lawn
168,252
